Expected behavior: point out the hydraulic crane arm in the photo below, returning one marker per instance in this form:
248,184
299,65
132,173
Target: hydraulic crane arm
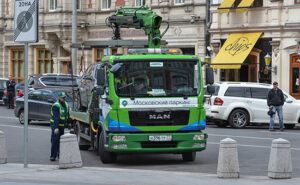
139,18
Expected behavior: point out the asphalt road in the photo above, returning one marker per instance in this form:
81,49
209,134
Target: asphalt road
253,148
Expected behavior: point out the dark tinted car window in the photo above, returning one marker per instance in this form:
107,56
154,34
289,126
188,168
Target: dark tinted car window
46,96
35,95
58,81
2,84
235,92
259,93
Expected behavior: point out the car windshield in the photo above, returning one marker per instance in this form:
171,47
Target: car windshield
174,78
2,84
58,81
68,99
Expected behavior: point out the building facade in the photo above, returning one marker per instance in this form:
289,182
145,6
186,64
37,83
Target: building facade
52,53
278,23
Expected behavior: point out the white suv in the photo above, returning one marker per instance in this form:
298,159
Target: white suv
240,103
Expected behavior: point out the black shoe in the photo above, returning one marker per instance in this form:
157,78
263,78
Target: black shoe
282,130
272,130
52,159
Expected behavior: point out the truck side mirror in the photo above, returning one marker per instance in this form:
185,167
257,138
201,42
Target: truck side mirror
115,68
209,74
211,89
100,76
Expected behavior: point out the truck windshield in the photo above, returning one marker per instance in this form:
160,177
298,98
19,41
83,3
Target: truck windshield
176,78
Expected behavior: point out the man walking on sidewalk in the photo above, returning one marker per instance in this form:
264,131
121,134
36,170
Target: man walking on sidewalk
275,102
58,122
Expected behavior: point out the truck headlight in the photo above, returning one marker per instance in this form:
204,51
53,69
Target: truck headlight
118,138
199,137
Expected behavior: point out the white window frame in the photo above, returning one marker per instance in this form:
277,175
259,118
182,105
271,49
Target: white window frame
108,5
179,2
141,2
54,5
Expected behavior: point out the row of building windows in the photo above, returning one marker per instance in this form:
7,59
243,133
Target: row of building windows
45,61
105,4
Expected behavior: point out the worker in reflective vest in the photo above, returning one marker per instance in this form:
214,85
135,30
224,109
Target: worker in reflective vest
58,121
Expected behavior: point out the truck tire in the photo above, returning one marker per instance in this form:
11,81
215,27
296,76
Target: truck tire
239,118
105,156
189,156
289,126
79,139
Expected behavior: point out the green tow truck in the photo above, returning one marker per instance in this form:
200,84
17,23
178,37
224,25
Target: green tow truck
148,101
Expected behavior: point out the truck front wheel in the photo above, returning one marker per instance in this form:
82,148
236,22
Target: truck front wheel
189,156
105,156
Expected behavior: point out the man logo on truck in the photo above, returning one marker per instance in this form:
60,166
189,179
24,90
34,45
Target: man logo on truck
160,116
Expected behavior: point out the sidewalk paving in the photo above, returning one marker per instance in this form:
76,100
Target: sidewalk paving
15,174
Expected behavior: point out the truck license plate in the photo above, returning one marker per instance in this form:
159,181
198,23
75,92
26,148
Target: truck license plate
160,138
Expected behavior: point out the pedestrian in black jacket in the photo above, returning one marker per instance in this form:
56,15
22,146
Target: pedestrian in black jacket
10,85
275,102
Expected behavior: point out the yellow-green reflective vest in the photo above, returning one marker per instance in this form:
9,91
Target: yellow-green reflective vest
63,114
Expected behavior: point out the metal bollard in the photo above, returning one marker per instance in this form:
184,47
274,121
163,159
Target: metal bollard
3,152
69,154
228,163
280,163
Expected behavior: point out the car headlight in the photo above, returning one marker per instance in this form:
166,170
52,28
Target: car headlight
118,138
198,137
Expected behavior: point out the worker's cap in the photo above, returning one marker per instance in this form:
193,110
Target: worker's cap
62,94
275,83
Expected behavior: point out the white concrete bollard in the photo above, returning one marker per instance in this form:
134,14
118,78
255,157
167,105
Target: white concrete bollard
3,152
280,163
69,154
228,163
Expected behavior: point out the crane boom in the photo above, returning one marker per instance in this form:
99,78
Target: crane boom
138,18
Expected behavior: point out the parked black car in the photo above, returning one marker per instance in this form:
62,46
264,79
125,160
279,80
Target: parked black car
2,89
39,105
52,81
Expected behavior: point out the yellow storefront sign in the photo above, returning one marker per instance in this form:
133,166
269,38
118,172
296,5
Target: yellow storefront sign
235,50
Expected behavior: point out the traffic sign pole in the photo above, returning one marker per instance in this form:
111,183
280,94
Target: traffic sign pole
26,108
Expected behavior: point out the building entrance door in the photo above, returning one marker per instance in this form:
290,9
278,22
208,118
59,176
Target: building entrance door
294,76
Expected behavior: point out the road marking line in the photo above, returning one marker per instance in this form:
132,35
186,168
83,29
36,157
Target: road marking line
254,146
281,132
32,128
246,137
7,117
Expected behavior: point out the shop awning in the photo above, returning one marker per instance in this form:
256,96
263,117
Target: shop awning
244,5
225,6
235,50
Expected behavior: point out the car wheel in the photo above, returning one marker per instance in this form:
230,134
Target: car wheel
105,156
21,117
79,139
238,118
189,156
289,126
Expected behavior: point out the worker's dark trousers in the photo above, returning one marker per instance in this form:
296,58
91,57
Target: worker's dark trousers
55,142
10,96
